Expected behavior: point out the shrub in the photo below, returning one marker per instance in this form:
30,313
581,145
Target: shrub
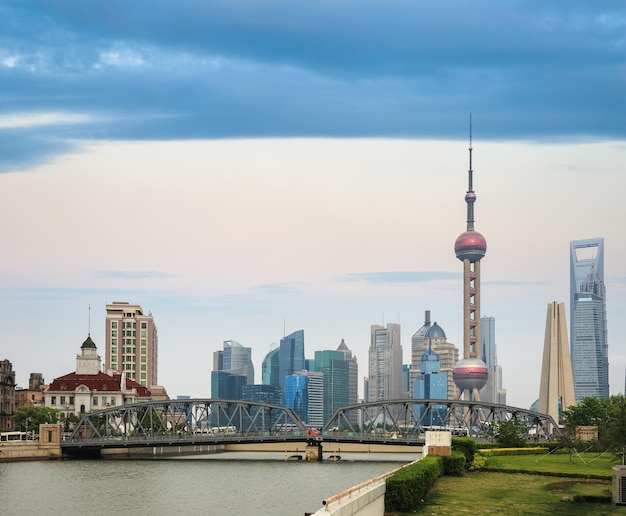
407,487
592,499
478,464
454,465
467,446
513,451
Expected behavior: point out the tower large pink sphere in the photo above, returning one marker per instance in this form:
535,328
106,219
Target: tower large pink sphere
471,245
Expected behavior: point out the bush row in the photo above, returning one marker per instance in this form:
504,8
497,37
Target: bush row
407,487
513,451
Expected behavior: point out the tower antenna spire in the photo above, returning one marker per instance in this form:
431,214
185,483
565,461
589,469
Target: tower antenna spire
470,147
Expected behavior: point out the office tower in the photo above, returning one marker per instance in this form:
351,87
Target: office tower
588,330
556,391
385,363
227,385
492,391
447,352
304,394
431,384
470,373
132,344
270,394
238,358
270,371
290,355
7,394
353,373
335,376
418,346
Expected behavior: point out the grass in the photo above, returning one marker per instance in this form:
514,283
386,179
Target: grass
585,464
532,493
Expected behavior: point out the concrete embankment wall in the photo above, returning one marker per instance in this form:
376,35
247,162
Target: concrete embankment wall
161,451
47,447
365,499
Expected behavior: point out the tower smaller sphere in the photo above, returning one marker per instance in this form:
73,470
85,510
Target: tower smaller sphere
470,373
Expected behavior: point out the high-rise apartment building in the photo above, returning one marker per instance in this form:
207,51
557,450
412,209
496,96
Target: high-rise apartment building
291,355
385,363
588,329
132,344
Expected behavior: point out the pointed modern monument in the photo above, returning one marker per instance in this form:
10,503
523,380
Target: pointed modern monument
556,391
470,373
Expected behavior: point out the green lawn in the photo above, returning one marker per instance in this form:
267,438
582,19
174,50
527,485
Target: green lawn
487,492
584,464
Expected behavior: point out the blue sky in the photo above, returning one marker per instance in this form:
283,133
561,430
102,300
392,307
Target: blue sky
291,137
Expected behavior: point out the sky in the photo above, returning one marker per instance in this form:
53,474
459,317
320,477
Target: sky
246,169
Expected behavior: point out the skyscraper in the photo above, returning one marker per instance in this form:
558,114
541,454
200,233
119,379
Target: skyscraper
431,384
304,393
447,352
470,373
335,375
385,363
132,343
556,391
353,373
238,358
588,329
269,368
492,391
290,355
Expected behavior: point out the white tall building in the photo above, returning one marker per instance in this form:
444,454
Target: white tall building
132,343
385,363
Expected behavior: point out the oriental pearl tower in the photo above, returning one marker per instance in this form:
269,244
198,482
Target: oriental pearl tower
470,373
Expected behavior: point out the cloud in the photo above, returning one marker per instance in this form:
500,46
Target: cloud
399,277
158,70
281,288
131,275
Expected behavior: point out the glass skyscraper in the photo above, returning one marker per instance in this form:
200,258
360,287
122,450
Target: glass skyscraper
588,329
269,368
290,355
336,377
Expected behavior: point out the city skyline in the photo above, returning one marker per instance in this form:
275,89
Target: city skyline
243,184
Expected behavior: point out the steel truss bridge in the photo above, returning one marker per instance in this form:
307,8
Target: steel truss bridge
217,421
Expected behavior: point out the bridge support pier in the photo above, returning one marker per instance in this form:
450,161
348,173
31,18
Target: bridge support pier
314,451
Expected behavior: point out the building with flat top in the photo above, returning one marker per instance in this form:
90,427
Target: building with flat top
588,328
132,344
385,364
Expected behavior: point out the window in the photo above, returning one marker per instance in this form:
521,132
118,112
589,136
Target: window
53,400
114,350
144,367
114,324
143,359
144,333
112,400
71,400
114,359
113,333
114,367
144,342
143,376
144,325
95,401
104,400
62,400
143,351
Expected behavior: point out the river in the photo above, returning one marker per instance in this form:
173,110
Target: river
231,483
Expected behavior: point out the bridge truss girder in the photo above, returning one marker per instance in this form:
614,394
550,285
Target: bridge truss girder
186,417
411,417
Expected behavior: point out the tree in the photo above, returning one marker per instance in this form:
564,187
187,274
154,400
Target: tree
608,414
29,418
511,433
